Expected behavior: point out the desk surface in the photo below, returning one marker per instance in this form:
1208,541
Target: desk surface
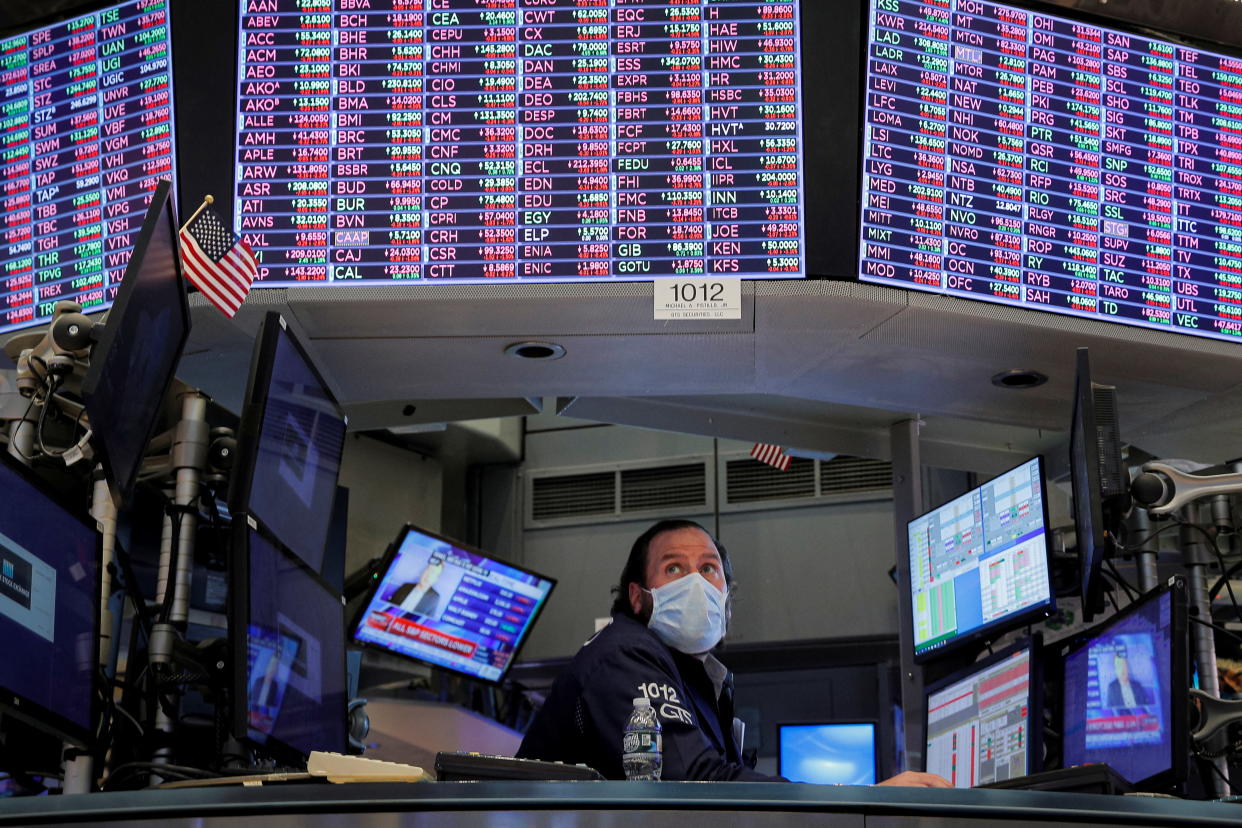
606,803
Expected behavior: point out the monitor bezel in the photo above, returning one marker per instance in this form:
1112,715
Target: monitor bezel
33,711
161,208
1179,675
254,412
239,623
992,629
875,733
1034,644
382,573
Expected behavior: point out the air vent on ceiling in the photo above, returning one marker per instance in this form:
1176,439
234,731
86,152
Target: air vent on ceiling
663,487
748,480
573,495
843,475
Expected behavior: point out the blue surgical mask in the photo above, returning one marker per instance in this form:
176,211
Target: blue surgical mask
688,614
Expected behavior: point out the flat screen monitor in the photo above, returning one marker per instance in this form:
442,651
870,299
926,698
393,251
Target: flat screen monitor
1098,478
979,563
450,606
49,608
551,143
293,432
1040,161
86,114
827,753
984,723
133,364
1125,695
287,630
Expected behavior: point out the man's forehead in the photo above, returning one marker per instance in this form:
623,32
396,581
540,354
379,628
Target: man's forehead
681,542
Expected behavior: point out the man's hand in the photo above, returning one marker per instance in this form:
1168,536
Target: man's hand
917,779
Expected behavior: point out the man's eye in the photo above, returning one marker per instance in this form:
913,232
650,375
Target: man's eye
672,569
708,569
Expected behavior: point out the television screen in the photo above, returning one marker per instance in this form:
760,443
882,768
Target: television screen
1043,162
979,563
1125,692
293,433
550,143
289,650
836,753
133,365
49,608
449,606
87,126
984,723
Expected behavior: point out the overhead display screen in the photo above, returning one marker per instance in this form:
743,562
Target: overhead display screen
1046,163
382,140
85,134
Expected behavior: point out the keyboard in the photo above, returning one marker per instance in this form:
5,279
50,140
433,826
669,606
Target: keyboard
459,766
337,767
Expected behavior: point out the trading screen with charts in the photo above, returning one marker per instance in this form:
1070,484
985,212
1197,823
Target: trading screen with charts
980,558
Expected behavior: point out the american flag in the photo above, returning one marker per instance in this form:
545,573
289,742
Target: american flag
220,264
772,455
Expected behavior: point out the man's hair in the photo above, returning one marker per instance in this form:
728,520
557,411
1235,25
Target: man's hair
635,571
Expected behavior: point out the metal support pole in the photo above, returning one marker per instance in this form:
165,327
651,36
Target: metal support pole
1145,557
189,459
1202,640
907,503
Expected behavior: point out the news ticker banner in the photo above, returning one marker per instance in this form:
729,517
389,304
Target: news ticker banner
86,131
1046,163
384,140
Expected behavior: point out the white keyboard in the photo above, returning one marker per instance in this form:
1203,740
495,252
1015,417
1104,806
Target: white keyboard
338,767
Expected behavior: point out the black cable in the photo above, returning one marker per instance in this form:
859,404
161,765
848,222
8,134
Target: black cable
1220,582
1218,628
1131,592
1150,536
1225,779
12,440
1220,560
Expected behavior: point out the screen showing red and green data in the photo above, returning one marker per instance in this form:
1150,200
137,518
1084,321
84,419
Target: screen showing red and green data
562,140
1047,163
85,134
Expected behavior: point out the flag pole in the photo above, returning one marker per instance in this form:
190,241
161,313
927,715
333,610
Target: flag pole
207,199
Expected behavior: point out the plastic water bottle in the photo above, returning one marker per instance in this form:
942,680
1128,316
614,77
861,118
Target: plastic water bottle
642,753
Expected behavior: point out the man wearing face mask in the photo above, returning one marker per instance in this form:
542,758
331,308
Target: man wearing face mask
671,610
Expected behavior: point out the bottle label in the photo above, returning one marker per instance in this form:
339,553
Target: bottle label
641,741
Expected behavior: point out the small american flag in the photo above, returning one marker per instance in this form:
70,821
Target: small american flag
772,455
220,264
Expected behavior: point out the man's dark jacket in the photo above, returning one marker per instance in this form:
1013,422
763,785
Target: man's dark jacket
585,713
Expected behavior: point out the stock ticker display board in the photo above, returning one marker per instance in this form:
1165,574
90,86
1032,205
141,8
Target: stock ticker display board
85,133
383,140
1046,163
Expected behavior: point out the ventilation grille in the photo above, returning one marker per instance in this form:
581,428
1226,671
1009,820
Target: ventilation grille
663,487
749,481
846,475
573,495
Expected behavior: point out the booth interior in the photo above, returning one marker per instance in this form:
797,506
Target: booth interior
990,265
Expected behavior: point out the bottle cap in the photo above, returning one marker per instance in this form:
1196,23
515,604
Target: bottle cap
642,701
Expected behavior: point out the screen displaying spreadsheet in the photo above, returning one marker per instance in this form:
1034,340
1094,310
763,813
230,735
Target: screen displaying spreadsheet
546,141
1047,163
980,561
979,726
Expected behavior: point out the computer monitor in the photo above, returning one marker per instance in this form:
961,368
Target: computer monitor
1099,480
133,364
1125,693
445,604
827,753
984,723
49,608
287,633
979,563
292,435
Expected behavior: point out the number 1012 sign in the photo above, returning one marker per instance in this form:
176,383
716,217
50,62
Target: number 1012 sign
698,299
